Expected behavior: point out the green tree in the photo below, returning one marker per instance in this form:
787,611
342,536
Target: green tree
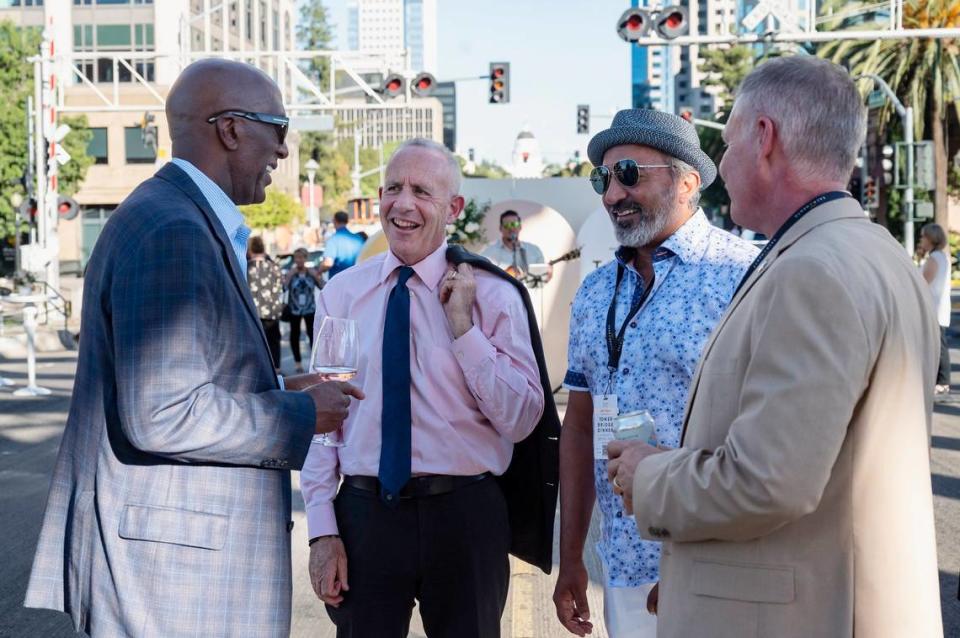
333,173
16,83
314,32
725,67
278,209
923,72
71,175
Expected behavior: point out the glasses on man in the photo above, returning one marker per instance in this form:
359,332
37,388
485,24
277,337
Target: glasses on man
513,225
626,171
281,122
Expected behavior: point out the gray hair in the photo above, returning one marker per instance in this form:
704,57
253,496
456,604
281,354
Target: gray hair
934,232
818,111
454,165
681,168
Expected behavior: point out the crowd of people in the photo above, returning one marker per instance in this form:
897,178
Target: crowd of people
785,489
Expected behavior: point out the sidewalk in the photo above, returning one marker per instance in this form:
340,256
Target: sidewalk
30,430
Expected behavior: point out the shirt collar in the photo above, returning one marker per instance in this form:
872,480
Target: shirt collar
430,269
223,207
687,242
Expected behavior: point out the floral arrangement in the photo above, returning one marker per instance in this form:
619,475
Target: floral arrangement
468,227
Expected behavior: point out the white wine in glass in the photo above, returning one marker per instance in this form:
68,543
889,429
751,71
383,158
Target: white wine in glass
336,351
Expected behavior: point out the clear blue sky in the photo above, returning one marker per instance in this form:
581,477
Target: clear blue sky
561,53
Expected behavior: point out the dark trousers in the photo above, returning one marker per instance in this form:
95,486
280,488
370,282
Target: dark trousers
271,327
295,334
449,552
943,370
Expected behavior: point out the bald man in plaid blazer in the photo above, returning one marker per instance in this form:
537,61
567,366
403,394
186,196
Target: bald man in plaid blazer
169,509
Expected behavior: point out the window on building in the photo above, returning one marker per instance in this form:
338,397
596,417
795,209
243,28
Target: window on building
97,148
263,24
277,46
249,9
136,151
25,3
92,219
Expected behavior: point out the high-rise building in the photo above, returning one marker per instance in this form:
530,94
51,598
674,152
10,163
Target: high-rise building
446,92
394,25
98,33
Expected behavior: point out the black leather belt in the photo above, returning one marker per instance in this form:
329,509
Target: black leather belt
417,486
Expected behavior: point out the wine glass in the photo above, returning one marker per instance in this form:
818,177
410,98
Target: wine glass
336,351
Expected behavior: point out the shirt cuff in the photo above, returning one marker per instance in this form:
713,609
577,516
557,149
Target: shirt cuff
576,381
321,520
280,381
472,348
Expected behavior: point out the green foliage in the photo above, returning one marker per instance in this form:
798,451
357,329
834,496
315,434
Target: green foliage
16,83
725,67
489,170
315,33
278,209
571,169
333,173
468,227
71,175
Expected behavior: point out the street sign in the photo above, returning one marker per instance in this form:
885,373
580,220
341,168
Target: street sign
923,210
876,99
924,175
779,9
311,122
60,132
60,154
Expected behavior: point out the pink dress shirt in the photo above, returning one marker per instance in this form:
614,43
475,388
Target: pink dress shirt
471,398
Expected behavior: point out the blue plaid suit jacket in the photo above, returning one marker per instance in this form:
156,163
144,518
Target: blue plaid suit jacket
169,509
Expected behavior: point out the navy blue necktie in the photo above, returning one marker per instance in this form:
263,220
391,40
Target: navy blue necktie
395,418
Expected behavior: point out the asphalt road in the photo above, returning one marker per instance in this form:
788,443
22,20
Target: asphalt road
30,430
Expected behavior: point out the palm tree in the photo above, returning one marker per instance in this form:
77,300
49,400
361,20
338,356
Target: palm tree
923,72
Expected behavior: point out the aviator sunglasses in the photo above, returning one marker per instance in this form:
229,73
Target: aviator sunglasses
626,171
281,122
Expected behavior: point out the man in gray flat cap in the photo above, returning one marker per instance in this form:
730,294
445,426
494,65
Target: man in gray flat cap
637,329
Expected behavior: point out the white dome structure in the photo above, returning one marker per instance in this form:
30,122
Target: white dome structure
527,159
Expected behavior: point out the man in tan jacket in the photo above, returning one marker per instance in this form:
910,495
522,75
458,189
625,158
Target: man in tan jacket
799,503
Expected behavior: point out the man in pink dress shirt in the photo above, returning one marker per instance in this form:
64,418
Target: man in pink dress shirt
442,536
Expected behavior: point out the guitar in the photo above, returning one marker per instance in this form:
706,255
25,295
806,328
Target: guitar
516,273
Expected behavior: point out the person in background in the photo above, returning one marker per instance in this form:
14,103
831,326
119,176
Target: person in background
266,288
342,247
511,254
301,282
936,271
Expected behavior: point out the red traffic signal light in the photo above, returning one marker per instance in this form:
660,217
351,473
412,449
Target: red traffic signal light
67,208
392,85
499,82
672,22
633,24
423,84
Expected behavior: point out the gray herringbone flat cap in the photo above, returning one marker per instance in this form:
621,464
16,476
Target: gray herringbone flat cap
665,132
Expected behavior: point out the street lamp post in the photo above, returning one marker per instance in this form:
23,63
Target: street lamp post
312,167
906,115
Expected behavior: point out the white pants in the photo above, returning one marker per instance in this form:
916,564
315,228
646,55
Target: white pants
625,612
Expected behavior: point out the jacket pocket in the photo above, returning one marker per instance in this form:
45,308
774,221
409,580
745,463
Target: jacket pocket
744,582
192,528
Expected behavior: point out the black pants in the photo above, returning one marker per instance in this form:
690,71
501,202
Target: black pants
943,370
449,552
295,334
271,327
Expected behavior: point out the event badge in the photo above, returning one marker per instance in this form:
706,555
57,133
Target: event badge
604,416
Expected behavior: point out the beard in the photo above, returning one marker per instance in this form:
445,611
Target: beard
646,226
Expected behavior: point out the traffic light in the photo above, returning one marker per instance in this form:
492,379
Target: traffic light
499,82
583,119
423,84
28,210
687,114
672,22
871,195
148,131
67,207
392,85
633,24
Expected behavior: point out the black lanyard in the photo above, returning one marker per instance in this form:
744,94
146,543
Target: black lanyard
615,338
793,219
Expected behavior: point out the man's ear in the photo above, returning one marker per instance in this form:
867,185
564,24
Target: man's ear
227,133
688,186
766,135
456,207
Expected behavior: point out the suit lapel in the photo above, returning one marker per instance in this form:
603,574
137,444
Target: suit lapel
176,176
831,211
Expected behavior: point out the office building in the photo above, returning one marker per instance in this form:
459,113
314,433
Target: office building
393,25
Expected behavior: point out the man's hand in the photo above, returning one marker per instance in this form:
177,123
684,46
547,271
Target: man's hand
570,599
331,400
653,599
457,294
296,382
328,570
624,458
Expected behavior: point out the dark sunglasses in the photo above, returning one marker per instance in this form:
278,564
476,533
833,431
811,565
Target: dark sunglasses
626,171
282,122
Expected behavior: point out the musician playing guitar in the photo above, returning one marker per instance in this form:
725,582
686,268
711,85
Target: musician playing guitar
511,254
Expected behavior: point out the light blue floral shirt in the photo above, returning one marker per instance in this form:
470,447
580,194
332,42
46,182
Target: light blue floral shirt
696,272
